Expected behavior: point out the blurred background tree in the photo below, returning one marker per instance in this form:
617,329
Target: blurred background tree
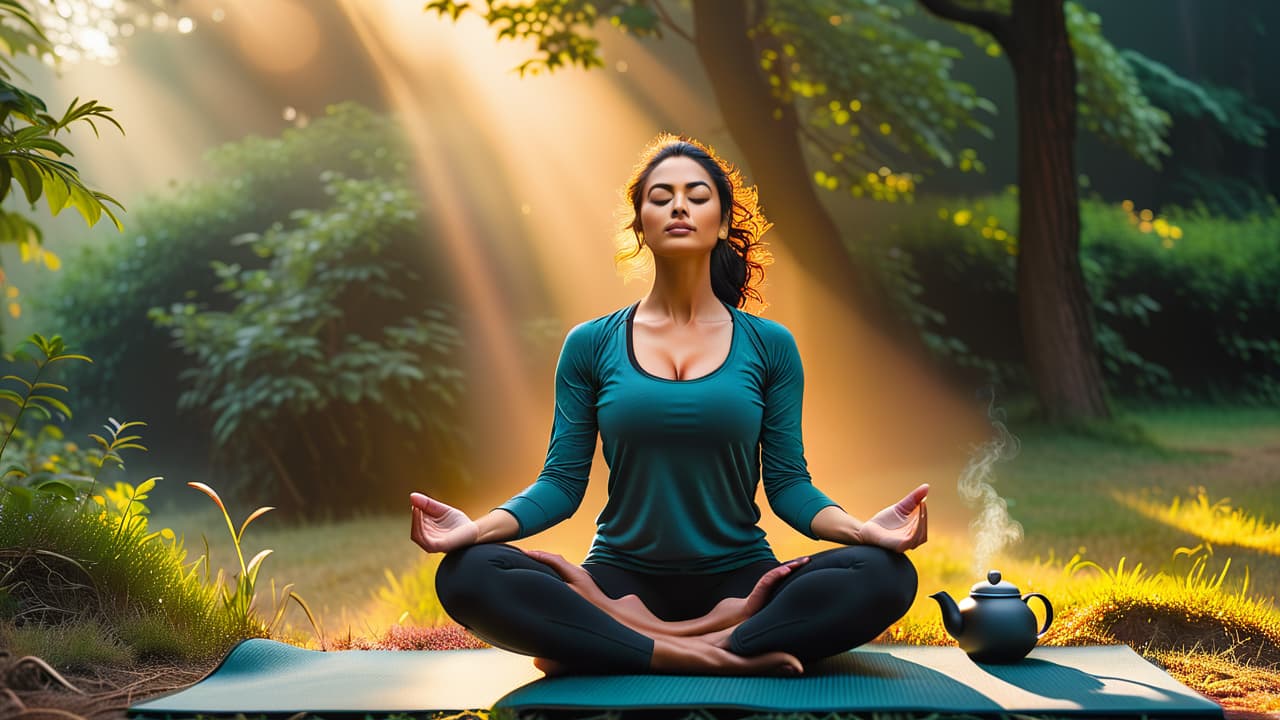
844,92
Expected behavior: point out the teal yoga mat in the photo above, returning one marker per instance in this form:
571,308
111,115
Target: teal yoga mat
264,676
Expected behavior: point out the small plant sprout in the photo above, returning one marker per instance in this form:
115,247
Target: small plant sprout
240,603
36,396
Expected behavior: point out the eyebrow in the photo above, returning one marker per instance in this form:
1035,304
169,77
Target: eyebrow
689,186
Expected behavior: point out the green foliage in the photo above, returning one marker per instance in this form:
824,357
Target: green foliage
66,563
1110,100
297,350
1230,112
1111,103
30,153
821,56
37,395
1223,111
831,61
560,28
321,317
1175,318
102,298
81,569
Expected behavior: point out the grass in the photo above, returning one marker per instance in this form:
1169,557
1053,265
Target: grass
68,646
338,567
1215,522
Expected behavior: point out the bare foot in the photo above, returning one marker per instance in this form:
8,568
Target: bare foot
719,638
550,667
696,656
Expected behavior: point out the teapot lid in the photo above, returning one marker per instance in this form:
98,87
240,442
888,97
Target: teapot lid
994,587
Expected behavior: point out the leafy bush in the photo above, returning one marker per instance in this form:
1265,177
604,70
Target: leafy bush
319,346
322,342
1184,305
103,295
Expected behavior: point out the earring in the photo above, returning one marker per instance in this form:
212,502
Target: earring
724,233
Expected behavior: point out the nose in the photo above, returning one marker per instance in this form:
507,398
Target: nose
679,206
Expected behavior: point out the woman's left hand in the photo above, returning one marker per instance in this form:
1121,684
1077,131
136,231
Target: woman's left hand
901,526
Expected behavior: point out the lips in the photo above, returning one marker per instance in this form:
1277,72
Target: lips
679,228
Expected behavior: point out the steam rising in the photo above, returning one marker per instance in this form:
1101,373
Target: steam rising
992,528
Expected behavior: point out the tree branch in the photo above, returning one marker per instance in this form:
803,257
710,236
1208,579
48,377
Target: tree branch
992,22
826,146
670,23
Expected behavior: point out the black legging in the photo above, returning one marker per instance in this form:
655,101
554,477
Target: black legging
840,599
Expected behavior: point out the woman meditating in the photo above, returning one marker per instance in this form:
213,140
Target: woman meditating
696,402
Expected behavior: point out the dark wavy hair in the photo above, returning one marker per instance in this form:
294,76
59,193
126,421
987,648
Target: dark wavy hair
738,261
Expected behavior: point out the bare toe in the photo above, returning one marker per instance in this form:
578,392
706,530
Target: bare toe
775,663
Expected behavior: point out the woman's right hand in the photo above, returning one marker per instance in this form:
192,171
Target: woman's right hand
437,527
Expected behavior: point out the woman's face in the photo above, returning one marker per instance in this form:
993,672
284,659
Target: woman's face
680,208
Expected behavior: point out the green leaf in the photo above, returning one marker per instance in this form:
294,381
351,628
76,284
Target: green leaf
56,487
28,176
52,402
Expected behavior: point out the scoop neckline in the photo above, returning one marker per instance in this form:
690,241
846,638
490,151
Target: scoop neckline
635,363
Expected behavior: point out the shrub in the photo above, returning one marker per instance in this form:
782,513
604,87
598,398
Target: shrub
1185,304
287,305
104,293
322,342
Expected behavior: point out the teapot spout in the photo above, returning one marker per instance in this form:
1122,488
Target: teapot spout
951,619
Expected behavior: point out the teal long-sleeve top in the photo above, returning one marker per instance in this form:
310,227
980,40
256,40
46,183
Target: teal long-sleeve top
685,457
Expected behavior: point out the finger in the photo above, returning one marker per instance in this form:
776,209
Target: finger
430,506
774,575
912,499
557,562
921,531
797,562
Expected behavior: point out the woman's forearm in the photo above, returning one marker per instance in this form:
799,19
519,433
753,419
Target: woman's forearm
497,526
834,524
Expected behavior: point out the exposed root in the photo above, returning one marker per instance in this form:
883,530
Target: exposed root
14,674
10,699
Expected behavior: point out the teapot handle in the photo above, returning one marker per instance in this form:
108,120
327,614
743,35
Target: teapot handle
1048,611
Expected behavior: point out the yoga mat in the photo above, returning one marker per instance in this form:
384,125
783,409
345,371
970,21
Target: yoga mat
264,676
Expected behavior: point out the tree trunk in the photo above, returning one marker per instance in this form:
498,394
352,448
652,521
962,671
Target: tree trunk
1053,303
767,132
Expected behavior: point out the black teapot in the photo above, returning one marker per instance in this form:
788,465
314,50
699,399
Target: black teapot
994,624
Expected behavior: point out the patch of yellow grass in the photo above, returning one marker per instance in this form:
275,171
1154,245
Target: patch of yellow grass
1235,685
1214,522
1166,611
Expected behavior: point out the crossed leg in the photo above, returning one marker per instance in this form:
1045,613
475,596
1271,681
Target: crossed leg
837,600
517,603
840,599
